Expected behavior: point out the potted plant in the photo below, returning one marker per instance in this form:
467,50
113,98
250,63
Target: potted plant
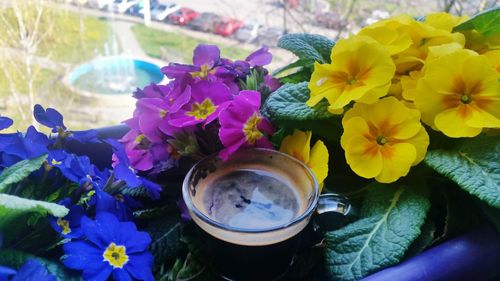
401,119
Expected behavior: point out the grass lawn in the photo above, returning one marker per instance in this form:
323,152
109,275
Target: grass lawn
72,39
179,46
76,45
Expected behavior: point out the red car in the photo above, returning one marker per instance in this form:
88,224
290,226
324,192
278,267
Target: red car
183,16
227,26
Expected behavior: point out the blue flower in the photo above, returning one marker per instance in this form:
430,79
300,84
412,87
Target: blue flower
124,171
87,136
6,272
50,118
69,226
20,147
111,247
32,270
5,122
77,169
119,205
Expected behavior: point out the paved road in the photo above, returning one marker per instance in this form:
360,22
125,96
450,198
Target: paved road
129,45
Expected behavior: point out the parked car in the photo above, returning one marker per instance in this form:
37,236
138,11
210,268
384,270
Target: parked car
331,20
134,10
248,32
121,6
161,11
99,4
205,22
183,16
269,36
227,26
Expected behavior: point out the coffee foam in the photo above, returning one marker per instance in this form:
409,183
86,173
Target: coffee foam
250,199
287,194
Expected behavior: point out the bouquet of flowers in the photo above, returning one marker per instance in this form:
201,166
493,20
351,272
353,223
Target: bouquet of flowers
402,118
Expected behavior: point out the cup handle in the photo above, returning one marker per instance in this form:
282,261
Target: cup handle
331,202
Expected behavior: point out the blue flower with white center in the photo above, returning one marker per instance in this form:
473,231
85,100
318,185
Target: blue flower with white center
31,270
69,226
110,248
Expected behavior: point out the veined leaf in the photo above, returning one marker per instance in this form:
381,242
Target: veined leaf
166,235
20,171
487,22
289,103
12,206
308,47
474,166
391,218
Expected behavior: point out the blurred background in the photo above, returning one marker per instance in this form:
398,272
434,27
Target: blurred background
86,57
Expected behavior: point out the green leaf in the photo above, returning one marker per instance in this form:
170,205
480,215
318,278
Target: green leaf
15,259
304,74
12,207
391,218
289,103
296,64
308,47
487,22
20,171
474,166
166,234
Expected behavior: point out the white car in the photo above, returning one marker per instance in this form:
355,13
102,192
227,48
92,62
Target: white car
99,4
121,6
161,11
248,32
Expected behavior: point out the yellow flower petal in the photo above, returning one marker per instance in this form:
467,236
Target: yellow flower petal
481,118
364,157
385,133
494,59
355,126
319,161
361,67
452,122
297,145
420,141
397,160
444,21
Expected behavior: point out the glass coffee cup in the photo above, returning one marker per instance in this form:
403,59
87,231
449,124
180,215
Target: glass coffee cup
252,209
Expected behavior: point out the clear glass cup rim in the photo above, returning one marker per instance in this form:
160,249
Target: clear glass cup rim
310,208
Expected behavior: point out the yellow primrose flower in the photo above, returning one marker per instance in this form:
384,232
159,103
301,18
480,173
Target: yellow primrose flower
409,82
444,21
298,146
459,94
361,70
383,140
494,58
390,33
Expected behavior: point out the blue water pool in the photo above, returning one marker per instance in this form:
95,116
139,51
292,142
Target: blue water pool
114,75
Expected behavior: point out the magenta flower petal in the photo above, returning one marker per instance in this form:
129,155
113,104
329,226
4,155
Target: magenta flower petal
251,97
206,55
272,83
260,57
177,70
225,153
266,127
242,125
